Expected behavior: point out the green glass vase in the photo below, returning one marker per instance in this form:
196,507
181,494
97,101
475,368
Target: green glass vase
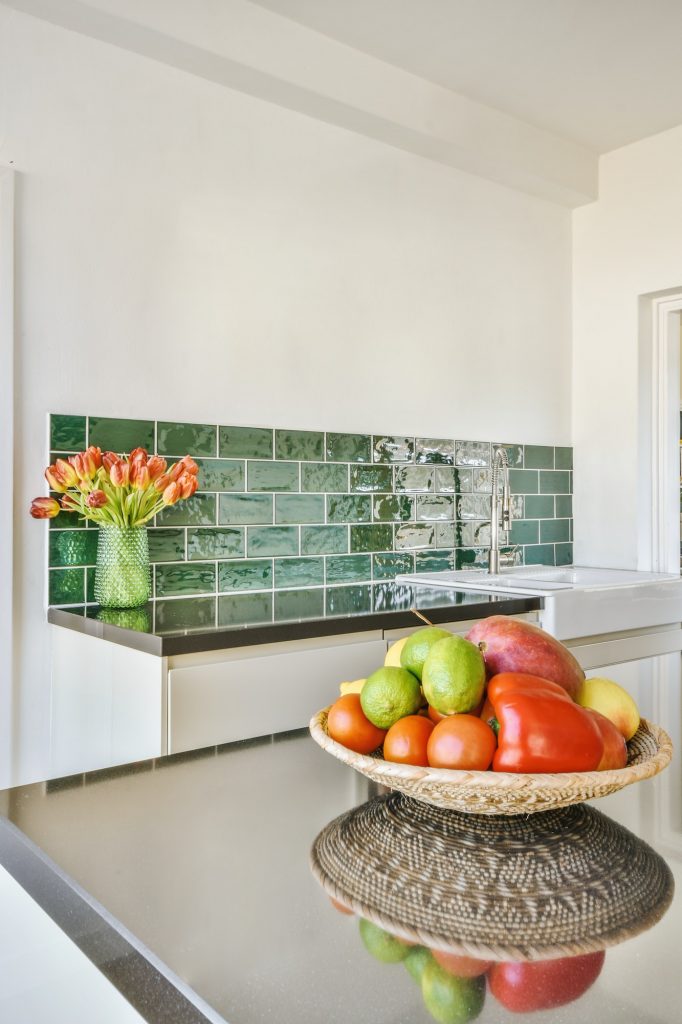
122,575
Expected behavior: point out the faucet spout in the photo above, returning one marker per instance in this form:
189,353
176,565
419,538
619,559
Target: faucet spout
499,508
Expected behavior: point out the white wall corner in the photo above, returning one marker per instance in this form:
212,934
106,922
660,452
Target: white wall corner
6,459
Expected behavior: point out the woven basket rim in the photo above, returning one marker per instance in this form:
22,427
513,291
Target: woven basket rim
450,778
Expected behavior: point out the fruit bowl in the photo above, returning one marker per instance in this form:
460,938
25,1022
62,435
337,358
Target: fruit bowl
649,752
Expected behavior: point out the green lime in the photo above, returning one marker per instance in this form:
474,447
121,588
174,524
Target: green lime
416,960
382,945
451,1000
389,694
454,676
418,646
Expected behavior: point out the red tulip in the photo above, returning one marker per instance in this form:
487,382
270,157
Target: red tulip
161,482
156,467
138,455
109,459
172,493
190,465
44,508
54,480
120,473
139,475
188,483
96,499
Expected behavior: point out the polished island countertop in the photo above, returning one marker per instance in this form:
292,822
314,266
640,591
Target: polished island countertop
194,883
192,625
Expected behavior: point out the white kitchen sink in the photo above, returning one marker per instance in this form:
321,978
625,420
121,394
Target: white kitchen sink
537,579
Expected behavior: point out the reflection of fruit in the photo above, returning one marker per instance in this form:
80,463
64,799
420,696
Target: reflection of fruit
512,645
405,742
348,725
416,960
463,742
389,694
615,749
418,647
461,966
354,687
451,1000
544,984
453,677
395,650
612,701
381,945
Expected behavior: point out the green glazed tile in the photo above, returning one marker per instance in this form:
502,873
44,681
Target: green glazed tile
244,609
471,558
563,554
555,482
303,445
272,540
272,476
538,554
482,481
393,449
349,508
185,613
67,432
324,477
73,547
524,531
539,507
552,530
434,450
538,456
563,458
514,453
414,478
121,435
245,442
523,481
470,534
214,542
451,480
473,506
299,508
371,538
199,510
90,586
220,475
324,540
244,509
245,574
299,604
392,597
434,561
448,535
415,535
371,478
298,572
349,600
564,506
67,586
178,439
349,448
67,520
166,545
391,564
435,506
393,508
185,579
472,453
349,568
517,506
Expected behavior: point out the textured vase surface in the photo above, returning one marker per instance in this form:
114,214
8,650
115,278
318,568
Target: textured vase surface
123,575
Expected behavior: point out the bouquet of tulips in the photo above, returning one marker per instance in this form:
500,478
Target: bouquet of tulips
111,490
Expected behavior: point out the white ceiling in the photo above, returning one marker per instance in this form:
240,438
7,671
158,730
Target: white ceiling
602,73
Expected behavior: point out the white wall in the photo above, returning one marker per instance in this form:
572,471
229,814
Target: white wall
626,245
188,252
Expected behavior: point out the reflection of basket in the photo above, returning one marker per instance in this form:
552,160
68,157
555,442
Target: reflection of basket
489,792
563,883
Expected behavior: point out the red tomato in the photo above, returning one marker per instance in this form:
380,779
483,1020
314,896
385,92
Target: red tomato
406,740
544,984
348,725
461,966
461,741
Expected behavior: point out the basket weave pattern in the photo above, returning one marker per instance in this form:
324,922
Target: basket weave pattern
649,752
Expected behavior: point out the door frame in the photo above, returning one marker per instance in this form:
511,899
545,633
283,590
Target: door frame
7,190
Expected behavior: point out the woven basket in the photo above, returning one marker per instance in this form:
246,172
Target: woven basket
649,752
563,883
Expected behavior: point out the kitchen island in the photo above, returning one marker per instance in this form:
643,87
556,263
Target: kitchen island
187,881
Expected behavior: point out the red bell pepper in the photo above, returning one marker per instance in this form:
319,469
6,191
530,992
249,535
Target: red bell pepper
544,984
541,729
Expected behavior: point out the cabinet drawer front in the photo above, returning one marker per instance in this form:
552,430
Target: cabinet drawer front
237,700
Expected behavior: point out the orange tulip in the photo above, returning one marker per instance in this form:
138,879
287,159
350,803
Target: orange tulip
69,503
84,465
54,480
176,470
139,475
65,473
138,455
120,473
161,482
188,483
109,459
96,499
44,508
172,493
156,467
190,465
95,454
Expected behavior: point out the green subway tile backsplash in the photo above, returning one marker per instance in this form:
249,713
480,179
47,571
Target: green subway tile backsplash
292,523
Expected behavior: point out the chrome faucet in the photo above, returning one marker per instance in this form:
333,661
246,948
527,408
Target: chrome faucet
500,461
